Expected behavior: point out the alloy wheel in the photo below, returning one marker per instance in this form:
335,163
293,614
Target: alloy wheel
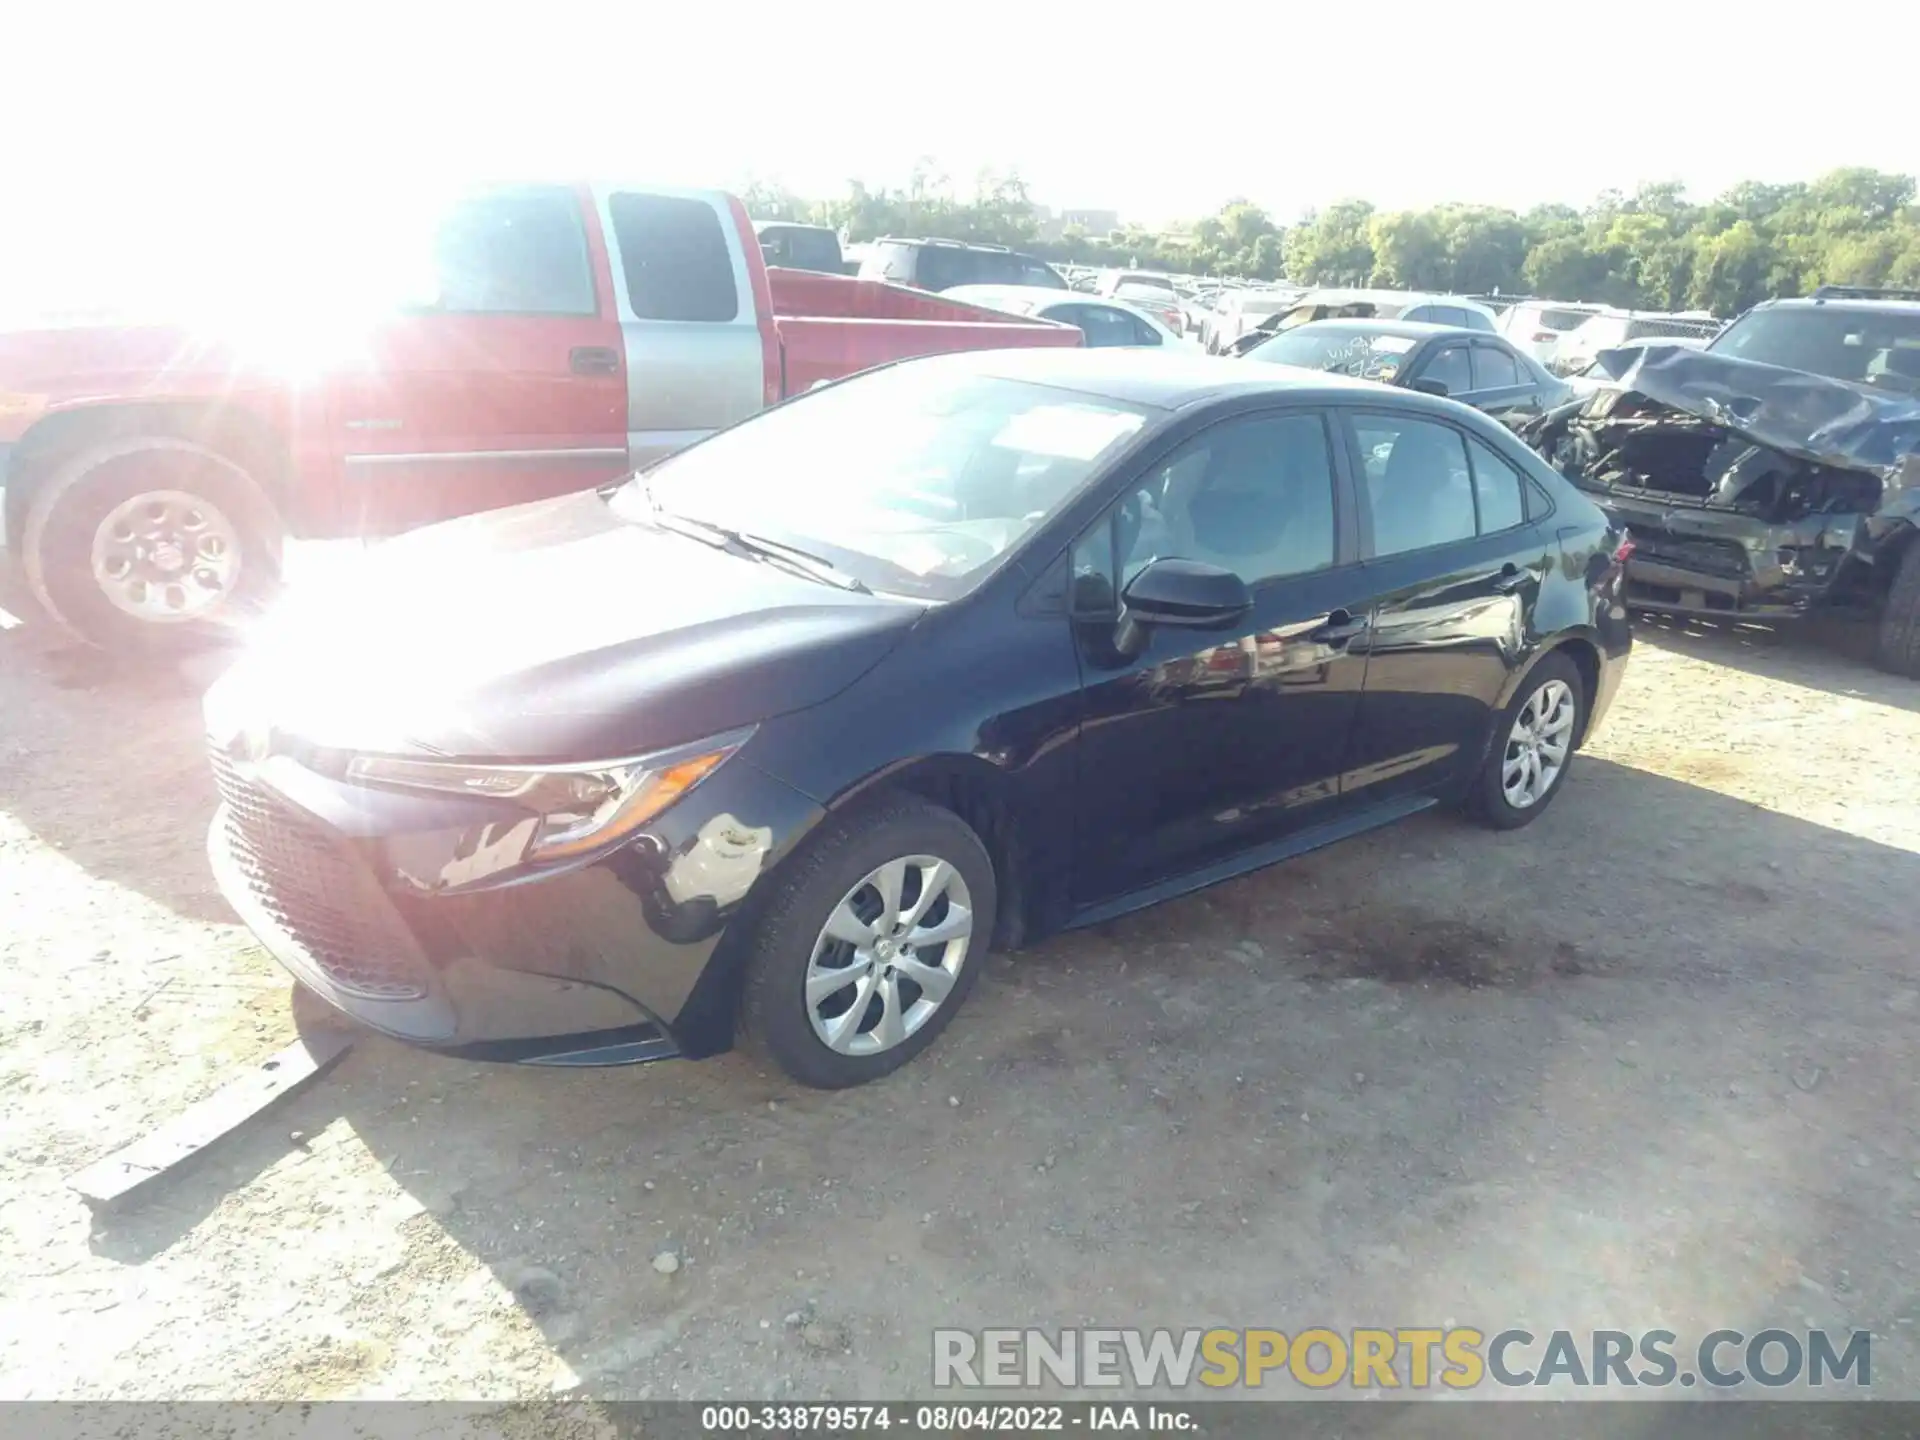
166,556
1538,745
889,954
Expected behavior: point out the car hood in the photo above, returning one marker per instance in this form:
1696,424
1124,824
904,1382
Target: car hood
1822,421
549,631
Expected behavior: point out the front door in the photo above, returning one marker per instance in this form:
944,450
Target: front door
505,382
1202,744
1455,565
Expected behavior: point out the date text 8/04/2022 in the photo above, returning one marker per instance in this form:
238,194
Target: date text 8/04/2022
979,1418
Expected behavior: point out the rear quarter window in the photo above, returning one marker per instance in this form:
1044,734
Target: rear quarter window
675,258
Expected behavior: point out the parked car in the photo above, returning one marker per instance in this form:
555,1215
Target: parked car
1239,312
1611,328
800,247
1153,293
942,264
556,337
1538,326
1385,305
1475,368
788,731
1105,323
1772,475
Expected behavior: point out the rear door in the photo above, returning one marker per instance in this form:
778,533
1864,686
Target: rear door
1502,385
690,339
1456,565
500,382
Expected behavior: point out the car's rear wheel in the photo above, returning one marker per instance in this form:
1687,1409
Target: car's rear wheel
1533,746
871,941
150,543
1898,649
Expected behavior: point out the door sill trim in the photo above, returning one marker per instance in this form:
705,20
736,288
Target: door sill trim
1311,837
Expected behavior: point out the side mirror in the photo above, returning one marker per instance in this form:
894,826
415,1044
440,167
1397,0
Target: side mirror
1185,593
1430,387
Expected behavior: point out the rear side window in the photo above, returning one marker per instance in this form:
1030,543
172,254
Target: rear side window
675,258
1493,368
1474,320
1496,489
514,252
1419,487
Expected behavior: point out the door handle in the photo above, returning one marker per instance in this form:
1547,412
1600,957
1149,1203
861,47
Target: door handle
1337,629
1511,579
594,360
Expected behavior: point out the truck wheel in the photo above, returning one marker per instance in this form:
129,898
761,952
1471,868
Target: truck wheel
1899,649
151,543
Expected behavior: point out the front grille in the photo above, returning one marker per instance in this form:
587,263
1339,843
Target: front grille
319,895
1724,558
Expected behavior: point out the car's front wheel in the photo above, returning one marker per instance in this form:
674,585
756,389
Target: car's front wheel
1533,746
1899,640
871,941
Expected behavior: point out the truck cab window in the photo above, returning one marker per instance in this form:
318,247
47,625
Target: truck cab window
514,252
674,256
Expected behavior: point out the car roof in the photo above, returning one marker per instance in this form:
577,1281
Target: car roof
1151,377
1038,295
1881,303
1411,329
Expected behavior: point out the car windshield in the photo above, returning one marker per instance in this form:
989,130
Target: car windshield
915,480
1868,347
1367,353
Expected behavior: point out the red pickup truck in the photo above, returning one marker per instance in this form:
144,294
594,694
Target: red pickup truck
556,336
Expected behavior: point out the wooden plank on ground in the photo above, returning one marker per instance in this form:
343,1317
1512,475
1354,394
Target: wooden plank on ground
112,1180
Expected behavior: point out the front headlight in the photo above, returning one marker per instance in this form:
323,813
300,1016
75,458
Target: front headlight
582,807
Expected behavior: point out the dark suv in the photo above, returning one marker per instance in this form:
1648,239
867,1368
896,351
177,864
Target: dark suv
1775,472
943,264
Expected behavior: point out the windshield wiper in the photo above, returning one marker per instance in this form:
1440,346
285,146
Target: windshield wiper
741,542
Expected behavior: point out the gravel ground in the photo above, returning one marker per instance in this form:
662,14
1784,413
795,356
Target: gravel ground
1649,1062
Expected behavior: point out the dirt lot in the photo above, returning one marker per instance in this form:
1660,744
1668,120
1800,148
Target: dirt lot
1650,1062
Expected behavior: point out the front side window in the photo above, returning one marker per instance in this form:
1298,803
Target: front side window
513,252
1419,487
675,258
1104,326
1252,495
917,479
1450,367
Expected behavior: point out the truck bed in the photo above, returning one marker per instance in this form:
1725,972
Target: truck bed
831,325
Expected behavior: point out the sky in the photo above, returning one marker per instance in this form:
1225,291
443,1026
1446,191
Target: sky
142,124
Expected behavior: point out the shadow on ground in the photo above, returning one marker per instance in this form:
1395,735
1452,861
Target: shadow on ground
1630,1066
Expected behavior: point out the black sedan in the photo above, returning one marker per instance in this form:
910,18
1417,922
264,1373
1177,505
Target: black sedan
782,735
1475,368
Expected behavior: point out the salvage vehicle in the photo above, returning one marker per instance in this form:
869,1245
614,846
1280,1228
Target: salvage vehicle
793,246
784,733
938,265
491,348
1773,473
1609,328
1477,369
1317,305
1105,321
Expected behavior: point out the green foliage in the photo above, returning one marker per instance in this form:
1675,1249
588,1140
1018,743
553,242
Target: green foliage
1653,249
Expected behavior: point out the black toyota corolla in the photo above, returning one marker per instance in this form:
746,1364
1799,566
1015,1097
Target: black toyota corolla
779,737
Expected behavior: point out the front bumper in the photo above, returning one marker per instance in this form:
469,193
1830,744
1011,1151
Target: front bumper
367,898
1700,561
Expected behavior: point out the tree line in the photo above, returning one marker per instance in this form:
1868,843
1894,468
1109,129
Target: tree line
1654,249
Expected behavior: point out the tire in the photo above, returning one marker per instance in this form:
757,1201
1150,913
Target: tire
217,503
1490,800
829,880
1898,648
